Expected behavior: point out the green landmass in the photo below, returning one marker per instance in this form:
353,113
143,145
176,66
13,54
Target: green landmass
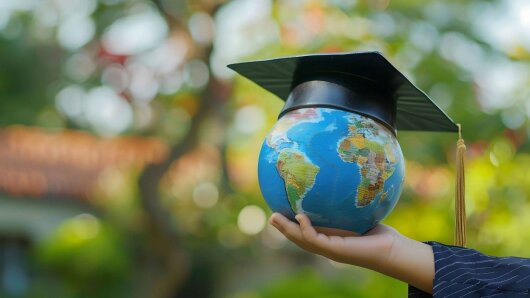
298,174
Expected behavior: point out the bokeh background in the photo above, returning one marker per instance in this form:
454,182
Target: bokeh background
128,150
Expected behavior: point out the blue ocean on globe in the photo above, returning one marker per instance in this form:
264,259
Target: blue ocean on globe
344,170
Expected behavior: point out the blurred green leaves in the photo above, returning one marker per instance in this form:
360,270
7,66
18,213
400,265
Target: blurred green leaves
85,249
309,283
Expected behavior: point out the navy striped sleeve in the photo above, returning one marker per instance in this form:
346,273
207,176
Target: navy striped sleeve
464,272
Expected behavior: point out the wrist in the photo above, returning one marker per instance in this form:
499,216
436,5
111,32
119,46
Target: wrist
382,255
391,252
412,262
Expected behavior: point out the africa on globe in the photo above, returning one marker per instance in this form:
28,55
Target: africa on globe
344,170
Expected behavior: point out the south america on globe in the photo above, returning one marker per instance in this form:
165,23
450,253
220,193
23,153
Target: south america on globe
342,169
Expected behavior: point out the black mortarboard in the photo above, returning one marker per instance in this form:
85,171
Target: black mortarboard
364,82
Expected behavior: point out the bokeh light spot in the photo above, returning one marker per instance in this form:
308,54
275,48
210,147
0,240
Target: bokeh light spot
196,74
249,119
251,220
201,27
107,112
76,31
70,100
135,34
205,195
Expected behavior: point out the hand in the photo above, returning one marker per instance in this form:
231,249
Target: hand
382,249
367,251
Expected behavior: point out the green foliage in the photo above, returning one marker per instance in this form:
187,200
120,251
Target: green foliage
27,74
87,254
311,284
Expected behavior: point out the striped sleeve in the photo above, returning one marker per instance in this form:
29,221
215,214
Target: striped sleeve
464,272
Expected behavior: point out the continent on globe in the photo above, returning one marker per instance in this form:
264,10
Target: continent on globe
278,135
385,194
299,175
374,156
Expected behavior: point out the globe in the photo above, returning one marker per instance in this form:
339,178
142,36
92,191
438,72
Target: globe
343,170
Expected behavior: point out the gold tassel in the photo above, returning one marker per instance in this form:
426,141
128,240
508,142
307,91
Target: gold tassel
460,203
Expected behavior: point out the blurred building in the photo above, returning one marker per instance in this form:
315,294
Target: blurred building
46,177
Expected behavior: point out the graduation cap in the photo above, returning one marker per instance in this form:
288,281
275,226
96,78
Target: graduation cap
363,82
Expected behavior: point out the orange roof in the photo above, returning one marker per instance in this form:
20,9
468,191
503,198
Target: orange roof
38,163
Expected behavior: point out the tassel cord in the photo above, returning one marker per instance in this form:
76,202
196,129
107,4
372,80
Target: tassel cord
460,204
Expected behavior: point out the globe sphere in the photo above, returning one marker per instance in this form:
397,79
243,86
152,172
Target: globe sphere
342,169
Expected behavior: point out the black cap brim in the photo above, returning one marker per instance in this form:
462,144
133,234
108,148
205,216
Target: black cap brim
414,109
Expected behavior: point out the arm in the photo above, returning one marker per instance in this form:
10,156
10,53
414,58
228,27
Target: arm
434,268
382,249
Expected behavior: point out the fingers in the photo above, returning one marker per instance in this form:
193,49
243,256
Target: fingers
303,235
288,228
318,241
309,233
292,231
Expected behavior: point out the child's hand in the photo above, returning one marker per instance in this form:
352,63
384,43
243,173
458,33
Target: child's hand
370,250
382,249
